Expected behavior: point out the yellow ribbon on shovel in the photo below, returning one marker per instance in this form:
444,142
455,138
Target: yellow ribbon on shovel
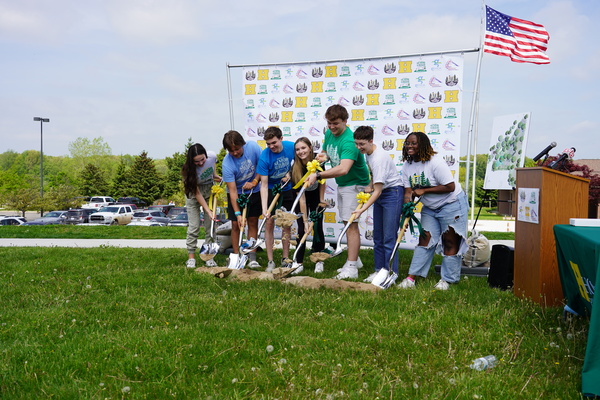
216,191
363,197
311,167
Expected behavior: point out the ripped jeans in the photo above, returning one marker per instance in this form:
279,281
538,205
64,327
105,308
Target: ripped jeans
436,222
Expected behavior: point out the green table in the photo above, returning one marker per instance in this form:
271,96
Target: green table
578,253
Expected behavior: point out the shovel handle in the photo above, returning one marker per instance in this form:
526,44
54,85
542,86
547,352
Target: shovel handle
304,237
273,203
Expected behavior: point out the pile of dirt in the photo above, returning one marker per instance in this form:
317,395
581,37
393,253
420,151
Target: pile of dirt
281,274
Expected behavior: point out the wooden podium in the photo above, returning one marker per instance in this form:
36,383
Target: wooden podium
561,197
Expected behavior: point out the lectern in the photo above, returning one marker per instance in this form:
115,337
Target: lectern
561,197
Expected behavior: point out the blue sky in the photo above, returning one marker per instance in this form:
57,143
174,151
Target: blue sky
149,74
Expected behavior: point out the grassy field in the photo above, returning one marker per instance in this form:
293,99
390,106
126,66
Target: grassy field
135,324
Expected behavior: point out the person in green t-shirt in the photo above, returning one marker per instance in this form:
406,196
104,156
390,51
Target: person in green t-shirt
349,168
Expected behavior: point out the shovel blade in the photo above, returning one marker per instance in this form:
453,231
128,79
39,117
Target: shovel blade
380,278
241,264
391,279
233,261
213,248
338,250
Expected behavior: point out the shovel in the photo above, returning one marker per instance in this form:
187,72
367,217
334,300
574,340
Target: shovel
295,263
210,248
238,261
338,248
300,193
258,240
386,277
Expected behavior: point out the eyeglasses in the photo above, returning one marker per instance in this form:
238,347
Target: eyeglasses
411,144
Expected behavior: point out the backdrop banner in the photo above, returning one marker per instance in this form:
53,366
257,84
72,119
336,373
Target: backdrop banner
395,96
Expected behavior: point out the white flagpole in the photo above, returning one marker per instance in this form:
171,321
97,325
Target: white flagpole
472,136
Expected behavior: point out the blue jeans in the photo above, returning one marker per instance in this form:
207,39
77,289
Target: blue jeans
387,211
453,215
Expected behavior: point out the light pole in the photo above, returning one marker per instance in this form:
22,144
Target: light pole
42,120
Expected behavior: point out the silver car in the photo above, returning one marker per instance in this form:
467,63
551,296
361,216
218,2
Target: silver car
149,218
51,218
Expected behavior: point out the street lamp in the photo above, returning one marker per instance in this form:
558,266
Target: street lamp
42,120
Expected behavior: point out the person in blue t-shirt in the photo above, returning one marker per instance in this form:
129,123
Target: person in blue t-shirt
274,168
239,173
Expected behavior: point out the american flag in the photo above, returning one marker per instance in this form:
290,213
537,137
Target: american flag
522,41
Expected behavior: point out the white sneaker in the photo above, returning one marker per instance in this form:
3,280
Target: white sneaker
191,263
319,267
210,263
359,263
253,264
369,278
347,273
442,285
298,270
407,284
270,266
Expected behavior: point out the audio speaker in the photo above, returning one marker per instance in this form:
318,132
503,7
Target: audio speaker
502,265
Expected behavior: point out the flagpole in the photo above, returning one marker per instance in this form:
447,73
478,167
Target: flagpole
472,136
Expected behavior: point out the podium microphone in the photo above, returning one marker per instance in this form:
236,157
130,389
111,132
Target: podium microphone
567,153
545,151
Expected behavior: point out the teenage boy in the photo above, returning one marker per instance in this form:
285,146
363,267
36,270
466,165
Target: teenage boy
387,196
239,173
351,174
274,168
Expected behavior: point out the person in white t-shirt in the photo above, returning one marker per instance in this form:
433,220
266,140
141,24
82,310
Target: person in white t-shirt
199,174
387,195
444,214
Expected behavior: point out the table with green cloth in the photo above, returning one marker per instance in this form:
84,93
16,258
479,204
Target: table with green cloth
578,254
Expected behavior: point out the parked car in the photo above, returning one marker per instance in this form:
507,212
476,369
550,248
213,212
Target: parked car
175,211
12,221
132,200
179,220
112,215
79,215
98,202
50,218
149,218
164,208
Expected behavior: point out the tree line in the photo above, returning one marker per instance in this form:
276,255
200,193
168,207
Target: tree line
89,170
92,170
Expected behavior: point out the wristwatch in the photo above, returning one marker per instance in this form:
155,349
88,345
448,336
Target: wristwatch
318,175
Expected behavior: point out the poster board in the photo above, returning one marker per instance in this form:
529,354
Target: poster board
507,150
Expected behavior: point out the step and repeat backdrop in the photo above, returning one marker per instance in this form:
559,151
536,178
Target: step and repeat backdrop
393,95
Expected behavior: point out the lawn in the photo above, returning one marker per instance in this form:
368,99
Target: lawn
135,324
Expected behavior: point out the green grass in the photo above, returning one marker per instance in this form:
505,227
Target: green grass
129,232
134,323
93,232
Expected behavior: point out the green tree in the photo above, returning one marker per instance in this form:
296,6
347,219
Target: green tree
92,181
61,197
143,179
23,199
85,151
120,181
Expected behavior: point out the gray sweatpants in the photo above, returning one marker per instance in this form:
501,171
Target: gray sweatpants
193,210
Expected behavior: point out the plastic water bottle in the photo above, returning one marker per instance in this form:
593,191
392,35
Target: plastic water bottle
483,363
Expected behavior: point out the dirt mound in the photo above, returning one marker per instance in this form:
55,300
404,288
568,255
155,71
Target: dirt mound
281,274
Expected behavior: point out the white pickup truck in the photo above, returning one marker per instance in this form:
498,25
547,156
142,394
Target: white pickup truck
98,202
112,215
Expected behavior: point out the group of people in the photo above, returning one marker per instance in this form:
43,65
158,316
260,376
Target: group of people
358,165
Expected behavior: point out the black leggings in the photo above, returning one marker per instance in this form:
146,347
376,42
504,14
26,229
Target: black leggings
318,243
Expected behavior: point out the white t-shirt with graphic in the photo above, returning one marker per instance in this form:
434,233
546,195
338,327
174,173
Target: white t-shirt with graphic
205,173
431,173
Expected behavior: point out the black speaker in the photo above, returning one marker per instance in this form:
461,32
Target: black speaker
502,265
